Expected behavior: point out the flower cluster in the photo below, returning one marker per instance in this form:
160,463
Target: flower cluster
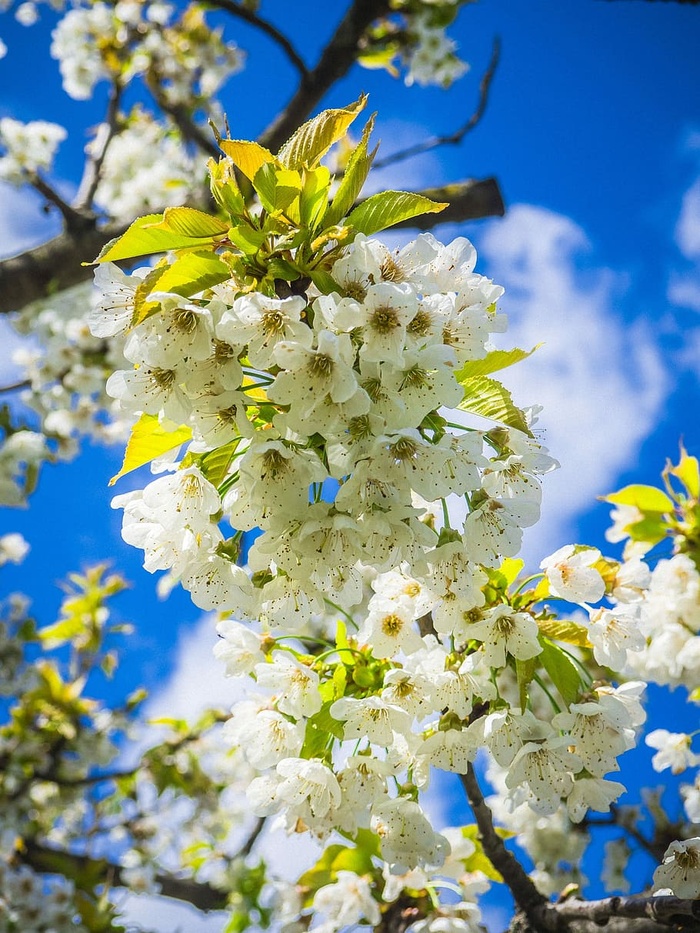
103,42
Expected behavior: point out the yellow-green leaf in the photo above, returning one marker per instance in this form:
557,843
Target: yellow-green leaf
493,362
214,464
314,196
388,208
192,273
148,235
564,630
277,187
191,223
150,439
354,178
247,156
315,137
688,472
645,498
489,399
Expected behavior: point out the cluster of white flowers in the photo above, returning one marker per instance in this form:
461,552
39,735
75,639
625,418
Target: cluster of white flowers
146,167
64,367
28,148
431,58
30,904
670,625
101,41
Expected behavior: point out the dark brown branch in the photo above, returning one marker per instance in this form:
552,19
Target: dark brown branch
452,139
51,267
253,837
235,9
74,219
92,172
336,60
526,896
16,386
56,265
467,200
44,859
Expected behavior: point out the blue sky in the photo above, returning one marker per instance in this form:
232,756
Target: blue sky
593,130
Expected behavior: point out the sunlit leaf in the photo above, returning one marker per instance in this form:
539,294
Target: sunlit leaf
247,156
388,208
645,498
315,137
489,399
353,179
150,439
493,362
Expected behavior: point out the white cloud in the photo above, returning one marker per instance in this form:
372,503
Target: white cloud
601,380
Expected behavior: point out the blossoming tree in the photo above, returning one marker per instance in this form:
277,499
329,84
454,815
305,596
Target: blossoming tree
292,379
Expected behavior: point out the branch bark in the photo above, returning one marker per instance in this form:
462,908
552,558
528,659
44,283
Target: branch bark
41,858
56,265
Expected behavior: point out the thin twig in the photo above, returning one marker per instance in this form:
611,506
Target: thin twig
16,386
74,219
452,139
235,9
253,836
92,172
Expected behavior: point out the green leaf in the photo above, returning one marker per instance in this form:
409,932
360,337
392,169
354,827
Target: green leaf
314,196
247,239
150,439
645,498
524,671
562,671
564,630
478,860
319,729
315,137
247,156
489,399
493,362
190,222
192,273
388,208
277,187
688,472
148,235
214,464
334,859
351,183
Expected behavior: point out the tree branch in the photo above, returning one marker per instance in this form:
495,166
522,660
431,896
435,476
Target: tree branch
44,859
667,911
335,61
75,220
528,899
93,166
467,200
56,265
235,9
455,138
